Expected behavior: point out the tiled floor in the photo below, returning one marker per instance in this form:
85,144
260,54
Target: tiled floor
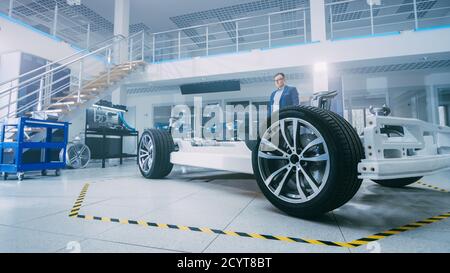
34,214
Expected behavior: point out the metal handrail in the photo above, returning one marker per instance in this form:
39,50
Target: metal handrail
135,49
61,65
63,59
233,20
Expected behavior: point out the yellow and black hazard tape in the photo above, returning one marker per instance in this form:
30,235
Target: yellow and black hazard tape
351,244
76,207
431,186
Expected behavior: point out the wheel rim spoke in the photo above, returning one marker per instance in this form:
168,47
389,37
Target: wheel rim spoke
322,157
269,156
298,185
283,181
272,176
294,134
313,143
273,146
283,133
310,180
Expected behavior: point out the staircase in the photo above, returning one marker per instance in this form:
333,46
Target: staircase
63,89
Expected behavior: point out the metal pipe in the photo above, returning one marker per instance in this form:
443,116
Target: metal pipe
153,49
179,45
207,40
416,18
11,8
269,31
80,82
130,54
371,18
88,35
331,23
41,87
237,36
109,66
304,26
143,46
55,19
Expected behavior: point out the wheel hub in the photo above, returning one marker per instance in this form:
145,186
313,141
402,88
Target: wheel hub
294,159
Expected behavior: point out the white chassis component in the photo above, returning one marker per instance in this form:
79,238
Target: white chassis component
423,150
231,156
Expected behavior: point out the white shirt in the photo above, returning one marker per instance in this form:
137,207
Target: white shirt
276,99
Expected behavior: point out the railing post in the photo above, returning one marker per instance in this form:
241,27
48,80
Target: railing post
416,17
40,96
88,36
80,81
237,36
130,54
304,25
109,66
179,45
207,40
55,20
372,31
153,49
9,99
11,8
269,29
143,46
331,22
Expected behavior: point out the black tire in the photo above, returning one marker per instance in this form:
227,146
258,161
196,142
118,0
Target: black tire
162,147
397,183
345,152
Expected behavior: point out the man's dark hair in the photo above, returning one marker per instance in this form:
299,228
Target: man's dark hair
279,74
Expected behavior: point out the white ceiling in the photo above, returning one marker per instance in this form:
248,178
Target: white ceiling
156,13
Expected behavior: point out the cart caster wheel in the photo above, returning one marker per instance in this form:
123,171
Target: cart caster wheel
20,176
57,172
44,172
5,176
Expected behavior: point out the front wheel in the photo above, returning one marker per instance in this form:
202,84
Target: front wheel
306,162
154,151
398,183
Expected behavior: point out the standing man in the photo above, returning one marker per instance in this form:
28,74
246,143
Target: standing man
283,96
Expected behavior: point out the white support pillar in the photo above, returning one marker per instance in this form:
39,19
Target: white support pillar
318,21
121,27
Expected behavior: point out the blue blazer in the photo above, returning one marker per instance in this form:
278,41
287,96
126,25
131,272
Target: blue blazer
289,97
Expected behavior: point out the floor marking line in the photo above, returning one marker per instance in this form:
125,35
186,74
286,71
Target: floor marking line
431,186
78,203
352,244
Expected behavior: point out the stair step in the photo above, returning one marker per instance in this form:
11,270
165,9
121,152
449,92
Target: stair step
50,111
73,98
64,105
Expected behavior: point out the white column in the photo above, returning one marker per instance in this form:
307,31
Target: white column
318,21
121,27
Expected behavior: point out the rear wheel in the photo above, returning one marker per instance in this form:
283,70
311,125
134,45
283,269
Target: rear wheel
397,183
306,162
155,147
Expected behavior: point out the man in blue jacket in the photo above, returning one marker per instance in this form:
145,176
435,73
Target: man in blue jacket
283,96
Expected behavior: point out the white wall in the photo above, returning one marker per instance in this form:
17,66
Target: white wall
16,37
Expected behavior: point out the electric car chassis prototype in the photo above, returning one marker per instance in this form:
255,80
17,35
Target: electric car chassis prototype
311,160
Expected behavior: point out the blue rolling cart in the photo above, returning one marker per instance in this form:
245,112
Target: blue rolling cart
13,151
